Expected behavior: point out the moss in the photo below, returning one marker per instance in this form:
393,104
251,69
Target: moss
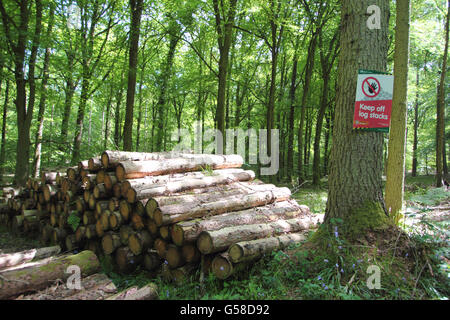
368,217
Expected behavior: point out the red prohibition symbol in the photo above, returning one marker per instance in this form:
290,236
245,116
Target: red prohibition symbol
371,87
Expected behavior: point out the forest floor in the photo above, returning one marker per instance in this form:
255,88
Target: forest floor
413,264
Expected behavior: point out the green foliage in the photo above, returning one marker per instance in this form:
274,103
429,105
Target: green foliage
74,220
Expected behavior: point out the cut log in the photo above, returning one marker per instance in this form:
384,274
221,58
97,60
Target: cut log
152,228
139,242
194,183
125,210
80,234
113,204
161,247
126,261
94,164
190,253
139,169
137,221
255,249
88,182
174,256
110,242
13,259
71,243
104,219
49,191
220,240
115,220
223,268
101,176
38,277
99,229
110,159
164,233
61,291
88,218
130,189
175,213
188,231
90,231
59,235
109,181
147,292
182,274
152,261
125,232
100,192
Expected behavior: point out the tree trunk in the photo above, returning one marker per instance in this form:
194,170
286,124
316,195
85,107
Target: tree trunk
395,173
3,142
45,77
440,110
355,185
416,127
136,7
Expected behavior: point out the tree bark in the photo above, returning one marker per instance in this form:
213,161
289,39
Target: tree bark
136,7
440,110
37,277
219,240
355,184
188,231
416,127
395,173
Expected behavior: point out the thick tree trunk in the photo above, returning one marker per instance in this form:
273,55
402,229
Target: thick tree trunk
355,184
3,142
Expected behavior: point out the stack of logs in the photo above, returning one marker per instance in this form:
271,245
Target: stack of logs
163,211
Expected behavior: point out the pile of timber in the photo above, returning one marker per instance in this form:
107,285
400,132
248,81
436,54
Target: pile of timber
44,274
167,212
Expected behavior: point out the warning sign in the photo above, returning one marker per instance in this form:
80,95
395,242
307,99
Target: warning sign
373,101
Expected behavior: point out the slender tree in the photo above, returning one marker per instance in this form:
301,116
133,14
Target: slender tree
136,7
440,110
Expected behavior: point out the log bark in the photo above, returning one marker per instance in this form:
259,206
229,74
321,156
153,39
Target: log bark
219,240
149,181
255,249
147,292
97,281
13,259
207,194
139,169
20,281
110,159
175,213
194,183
